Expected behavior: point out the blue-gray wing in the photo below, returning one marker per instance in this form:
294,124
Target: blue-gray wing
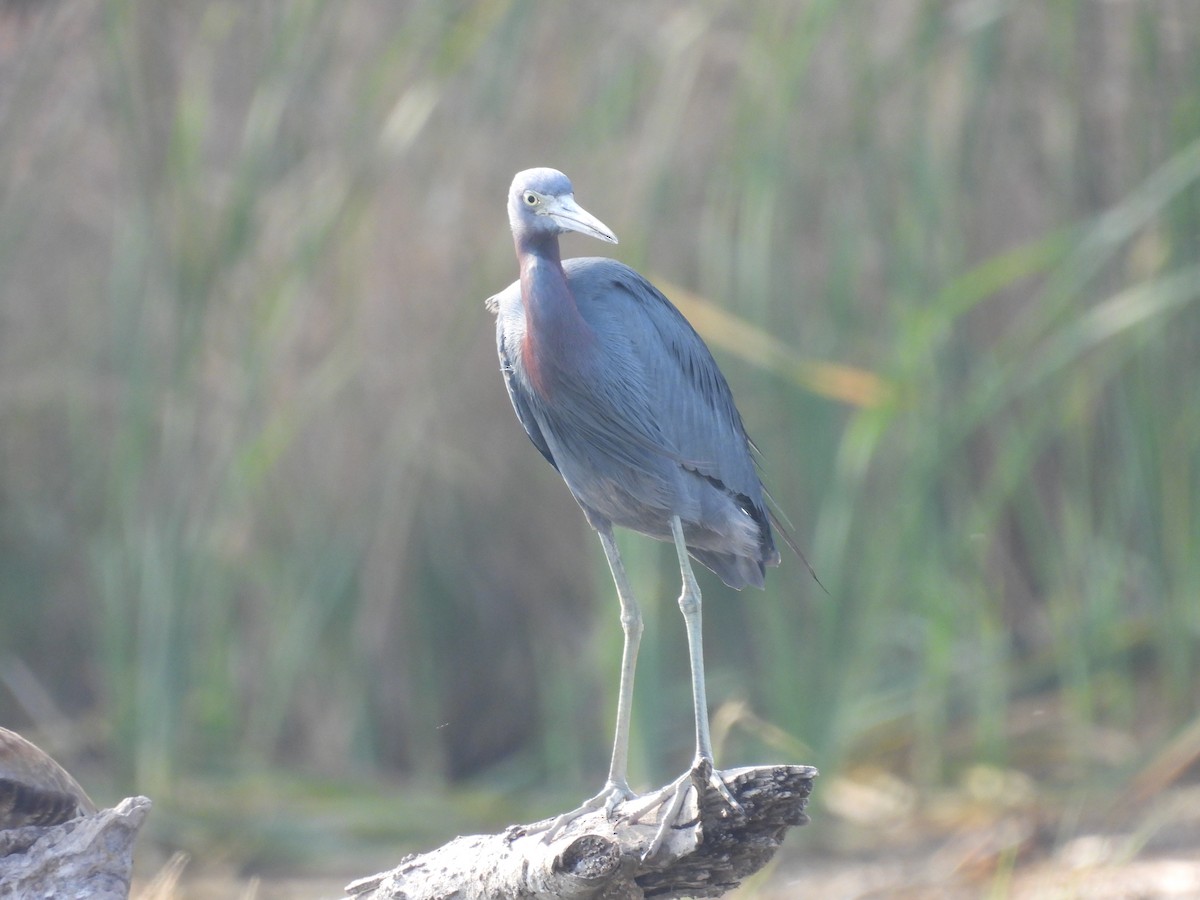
692,411
690,402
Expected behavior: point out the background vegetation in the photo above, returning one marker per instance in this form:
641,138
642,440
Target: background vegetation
268,526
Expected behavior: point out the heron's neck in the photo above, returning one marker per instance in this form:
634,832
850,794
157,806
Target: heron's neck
556,335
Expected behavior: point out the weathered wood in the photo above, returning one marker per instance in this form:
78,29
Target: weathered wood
87,857
707,855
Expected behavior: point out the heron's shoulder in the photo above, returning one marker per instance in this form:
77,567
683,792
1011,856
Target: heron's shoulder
598,264
598,279
506,298
602,272
610,290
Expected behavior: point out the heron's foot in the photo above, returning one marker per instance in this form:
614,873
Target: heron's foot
670,801
613,795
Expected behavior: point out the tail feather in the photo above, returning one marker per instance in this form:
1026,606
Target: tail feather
736,571
781,528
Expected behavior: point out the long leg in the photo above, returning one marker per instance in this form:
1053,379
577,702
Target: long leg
689,605
631,625
616,789
671,798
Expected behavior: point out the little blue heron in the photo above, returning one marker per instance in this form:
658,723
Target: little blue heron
623,398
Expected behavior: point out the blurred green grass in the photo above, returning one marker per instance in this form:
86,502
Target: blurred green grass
263,504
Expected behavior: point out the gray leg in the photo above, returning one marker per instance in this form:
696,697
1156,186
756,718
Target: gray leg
670,800
631,624
689,605
616,789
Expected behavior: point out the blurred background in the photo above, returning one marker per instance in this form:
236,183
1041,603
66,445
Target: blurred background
275,551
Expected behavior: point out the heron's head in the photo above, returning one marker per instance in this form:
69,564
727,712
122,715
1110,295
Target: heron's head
540,202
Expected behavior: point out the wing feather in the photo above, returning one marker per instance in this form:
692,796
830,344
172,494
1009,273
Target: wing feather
687,398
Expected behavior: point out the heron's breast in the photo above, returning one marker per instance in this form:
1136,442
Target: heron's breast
559,357
531,362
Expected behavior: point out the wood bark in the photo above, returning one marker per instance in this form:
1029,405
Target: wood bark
710,850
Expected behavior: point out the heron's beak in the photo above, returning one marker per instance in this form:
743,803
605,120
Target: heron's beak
568,214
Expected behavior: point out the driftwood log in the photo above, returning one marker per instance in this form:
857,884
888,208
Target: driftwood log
708,854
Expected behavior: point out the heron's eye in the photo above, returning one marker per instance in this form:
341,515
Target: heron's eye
531,199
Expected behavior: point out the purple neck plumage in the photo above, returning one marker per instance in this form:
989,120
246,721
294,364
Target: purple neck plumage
557,339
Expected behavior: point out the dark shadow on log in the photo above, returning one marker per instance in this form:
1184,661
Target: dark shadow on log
706,855
34,789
